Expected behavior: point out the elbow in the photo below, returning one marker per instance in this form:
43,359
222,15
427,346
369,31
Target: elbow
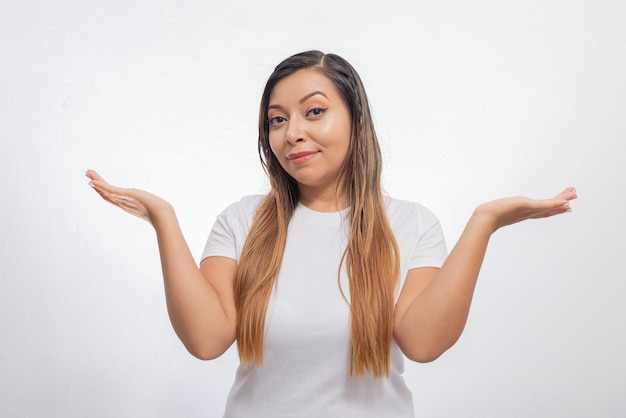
423,351
205,354
423,356
208,351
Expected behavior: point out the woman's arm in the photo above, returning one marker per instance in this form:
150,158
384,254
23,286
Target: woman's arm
434,304
200,301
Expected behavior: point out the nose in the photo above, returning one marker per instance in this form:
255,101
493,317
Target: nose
295,131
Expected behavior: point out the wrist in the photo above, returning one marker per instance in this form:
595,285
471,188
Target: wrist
484,220
162,215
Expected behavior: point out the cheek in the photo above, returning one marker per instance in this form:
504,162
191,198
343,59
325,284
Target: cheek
274,144
339,128
346,125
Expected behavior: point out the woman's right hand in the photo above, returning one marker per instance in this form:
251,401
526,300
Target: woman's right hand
201,304
140,203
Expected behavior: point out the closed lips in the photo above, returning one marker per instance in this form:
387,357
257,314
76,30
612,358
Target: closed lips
300,154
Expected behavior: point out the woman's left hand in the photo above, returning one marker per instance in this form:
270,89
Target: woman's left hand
510,210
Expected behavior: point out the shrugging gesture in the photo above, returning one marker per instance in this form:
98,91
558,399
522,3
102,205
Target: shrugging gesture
324,229
142,204
434,304
200,303
510,210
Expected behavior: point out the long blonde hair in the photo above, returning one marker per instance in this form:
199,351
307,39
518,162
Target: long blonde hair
371,256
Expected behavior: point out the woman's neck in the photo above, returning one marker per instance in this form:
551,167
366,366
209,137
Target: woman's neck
329,201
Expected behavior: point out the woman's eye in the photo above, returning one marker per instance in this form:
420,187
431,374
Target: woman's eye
276,120
317,111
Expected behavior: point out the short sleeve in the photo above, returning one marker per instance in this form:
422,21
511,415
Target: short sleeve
430,247
418,233
230,229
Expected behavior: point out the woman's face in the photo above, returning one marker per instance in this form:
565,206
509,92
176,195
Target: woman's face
309,130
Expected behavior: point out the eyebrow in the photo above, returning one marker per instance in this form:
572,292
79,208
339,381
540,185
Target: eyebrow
308,96
302,100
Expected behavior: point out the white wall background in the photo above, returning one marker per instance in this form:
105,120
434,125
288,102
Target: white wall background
473,100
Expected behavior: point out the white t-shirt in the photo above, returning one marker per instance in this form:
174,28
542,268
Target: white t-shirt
306,353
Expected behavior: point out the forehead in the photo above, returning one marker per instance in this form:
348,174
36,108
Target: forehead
301,83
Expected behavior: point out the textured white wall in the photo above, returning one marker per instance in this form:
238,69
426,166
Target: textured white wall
473,100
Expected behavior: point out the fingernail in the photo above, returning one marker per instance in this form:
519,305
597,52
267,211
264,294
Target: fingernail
91,185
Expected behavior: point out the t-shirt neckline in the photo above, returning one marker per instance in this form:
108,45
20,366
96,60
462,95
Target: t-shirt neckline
324,218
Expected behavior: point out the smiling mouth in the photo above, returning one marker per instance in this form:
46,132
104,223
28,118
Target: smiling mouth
301,157
297,155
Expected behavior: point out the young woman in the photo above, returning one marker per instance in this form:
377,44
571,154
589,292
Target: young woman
325,283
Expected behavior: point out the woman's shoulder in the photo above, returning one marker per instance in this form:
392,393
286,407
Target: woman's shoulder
400,209
249,201
243,208
246,202
418,231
